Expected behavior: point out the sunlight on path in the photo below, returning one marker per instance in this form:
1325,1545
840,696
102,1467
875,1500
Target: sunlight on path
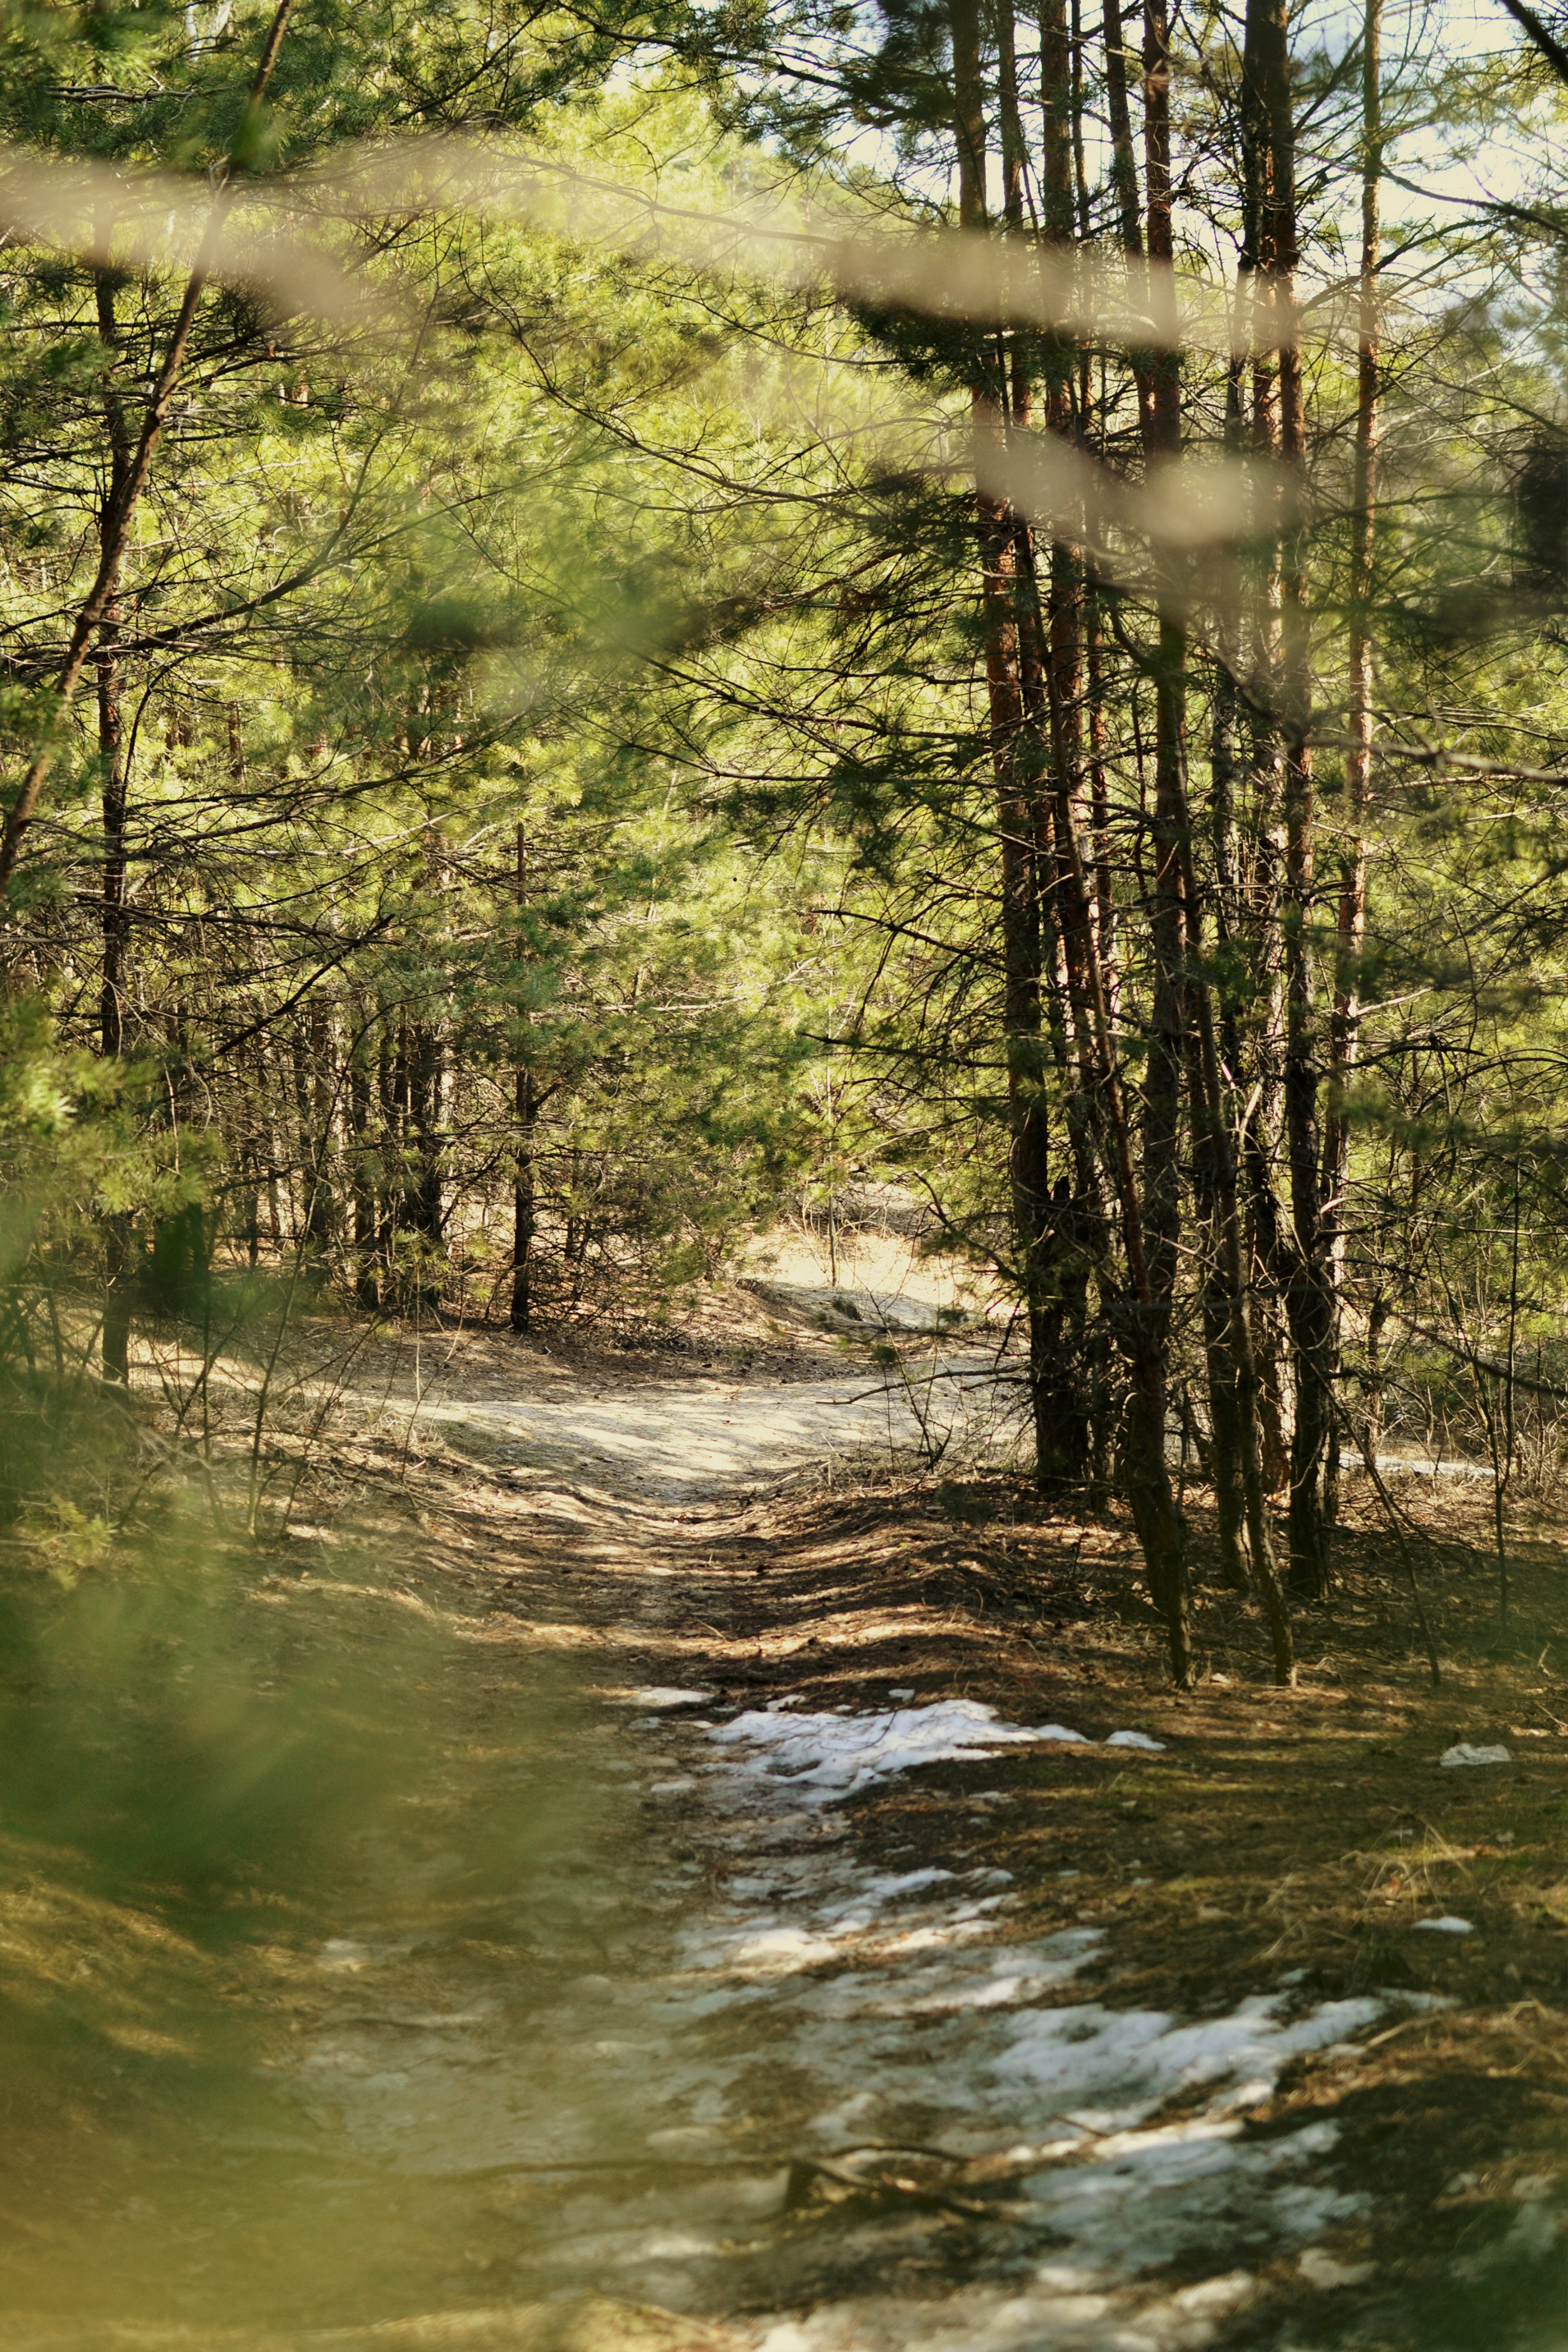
676,1441
773,2012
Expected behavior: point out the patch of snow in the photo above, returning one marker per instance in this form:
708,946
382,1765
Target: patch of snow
1448,1925
1112,2067
821,1756
1463,1753
779,1949
1005,1978
663,1695
884,1888
1137,1739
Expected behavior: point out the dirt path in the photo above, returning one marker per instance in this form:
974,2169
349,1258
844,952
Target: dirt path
866,2063
900,1964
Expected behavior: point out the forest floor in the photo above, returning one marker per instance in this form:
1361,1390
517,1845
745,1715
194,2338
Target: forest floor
849,2004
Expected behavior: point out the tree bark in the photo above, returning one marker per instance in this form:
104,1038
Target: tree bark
524,1210
1124,180
1260,1064
1154,1508
119,1226
1308,1295
367,1287
425,1200
1350,926
1016,751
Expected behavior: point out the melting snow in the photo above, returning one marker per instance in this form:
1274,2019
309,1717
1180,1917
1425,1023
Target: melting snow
1116,2066
1448,1925
1463,1753
828,1756
838,1754
845,2003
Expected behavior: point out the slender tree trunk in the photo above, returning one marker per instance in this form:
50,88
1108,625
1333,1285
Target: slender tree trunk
426,1207
1261,875
310,1045
251,1231
267,1092
524,1214
391,1086
325,1220
118,1227
1371,1420
1100,798
367,1288
1054,700
1308,1298
1153,1505
1228,1415
1124,182
1015,750
1226,1322
1351,920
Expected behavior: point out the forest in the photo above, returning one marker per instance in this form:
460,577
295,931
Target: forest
649,645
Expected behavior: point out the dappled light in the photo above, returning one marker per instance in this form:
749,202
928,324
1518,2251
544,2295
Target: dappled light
783,1330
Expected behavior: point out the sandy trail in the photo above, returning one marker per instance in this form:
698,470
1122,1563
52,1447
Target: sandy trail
843,2100
690,1440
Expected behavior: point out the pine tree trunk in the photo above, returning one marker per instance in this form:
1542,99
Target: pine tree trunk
315,1223
1260,875
1166,1047
1351,916
524,1210
1016,757
1124,183
118,1228
424,1202
367,1287
1308,1296
392,1087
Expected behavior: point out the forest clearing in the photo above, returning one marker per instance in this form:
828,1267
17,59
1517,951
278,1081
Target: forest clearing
783,1327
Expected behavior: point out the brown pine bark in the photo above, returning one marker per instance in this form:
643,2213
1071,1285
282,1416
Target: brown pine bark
524,1203
1156,1512
114,1345
1259,1068
999,400
391,1086
1350,926
1307,1293
1124,180
366,1229
425,1206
